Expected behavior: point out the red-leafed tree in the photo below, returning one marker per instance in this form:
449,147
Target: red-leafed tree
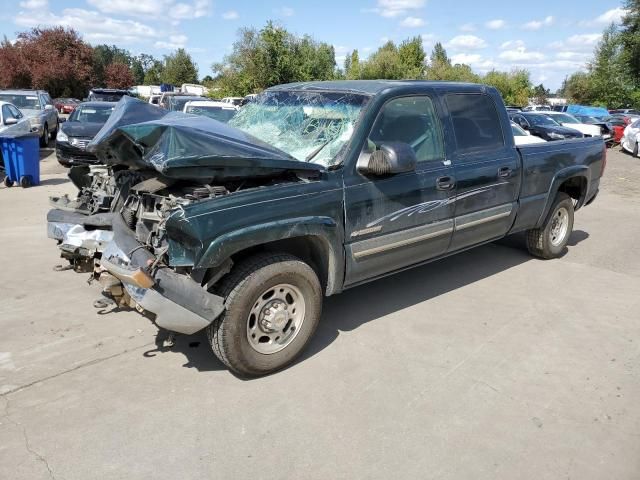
118,75
57,60
13,70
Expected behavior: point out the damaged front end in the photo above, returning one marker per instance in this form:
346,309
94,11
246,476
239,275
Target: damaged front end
156,170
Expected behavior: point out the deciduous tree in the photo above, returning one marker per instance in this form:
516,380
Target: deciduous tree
118,75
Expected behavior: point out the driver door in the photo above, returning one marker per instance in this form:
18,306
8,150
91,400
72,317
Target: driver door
396,221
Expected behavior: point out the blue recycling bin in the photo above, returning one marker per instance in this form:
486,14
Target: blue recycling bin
21,155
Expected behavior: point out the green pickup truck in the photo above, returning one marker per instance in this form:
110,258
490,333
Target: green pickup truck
313,188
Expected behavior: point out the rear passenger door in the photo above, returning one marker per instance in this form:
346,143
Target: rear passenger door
399,220
487,170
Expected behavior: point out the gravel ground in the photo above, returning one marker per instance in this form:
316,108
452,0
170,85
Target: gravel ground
489,364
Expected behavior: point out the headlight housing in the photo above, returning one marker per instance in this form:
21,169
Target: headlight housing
61,136
556,136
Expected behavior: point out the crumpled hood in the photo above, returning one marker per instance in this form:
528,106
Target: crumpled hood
178,145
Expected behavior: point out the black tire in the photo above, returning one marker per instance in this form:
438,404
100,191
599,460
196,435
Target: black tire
541,242
635,150
241,288
25,182
8,182
44,139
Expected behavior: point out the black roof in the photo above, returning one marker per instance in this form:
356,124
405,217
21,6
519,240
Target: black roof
98,104
109,90
365,87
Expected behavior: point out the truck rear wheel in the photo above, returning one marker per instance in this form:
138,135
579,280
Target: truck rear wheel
273,304
550,240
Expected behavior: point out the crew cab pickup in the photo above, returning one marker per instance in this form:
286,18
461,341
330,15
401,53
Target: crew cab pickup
313,188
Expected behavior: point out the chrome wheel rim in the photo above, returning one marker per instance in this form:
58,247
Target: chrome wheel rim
275,318
559,226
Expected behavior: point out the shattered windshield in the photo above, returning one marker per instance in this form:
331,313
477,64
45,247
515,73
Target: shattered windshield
309,126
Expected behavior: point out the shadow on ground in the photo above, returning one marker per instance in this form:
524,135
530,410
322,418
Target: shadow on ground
358,306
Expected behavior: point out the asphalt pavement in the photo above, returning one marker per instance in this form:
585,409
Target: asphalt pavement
486,365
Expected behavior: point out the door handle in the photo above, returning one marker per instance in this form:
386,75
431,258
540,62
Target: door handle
445,183
504,172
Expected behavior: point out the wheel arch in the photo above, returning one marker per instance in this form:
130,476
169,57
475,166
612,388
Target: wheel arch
313,240
574,181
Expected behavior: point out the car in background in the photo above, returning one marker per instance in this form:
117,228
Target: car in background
626,111
175,101
13,121
38,107
154,99
223,112
65,105
249,98
560,108
78,131
522,137
570,121
630,139
106,94
537,108
237,101
542,125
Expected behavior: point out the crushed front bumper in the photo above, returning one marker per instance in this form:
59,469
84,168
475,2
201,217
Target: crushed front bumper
80,237
179,304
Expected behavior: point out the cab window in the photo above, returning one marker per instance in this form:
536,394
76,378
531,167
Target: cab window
410,120
476,123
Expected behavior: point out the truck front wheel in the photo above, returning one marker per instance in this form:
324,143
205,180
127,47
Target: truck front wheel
272,308
550,240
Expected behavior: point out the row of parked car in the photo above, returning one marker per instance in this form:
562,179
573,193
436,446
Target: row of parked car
536,124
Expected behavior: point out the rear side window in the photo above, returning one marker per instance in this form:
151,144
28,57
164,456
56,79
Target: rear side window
410,120
475,122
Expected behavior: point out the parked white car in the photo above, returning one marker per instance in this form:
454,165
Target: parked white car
569,121
237,101
522,137
630,138
13,121
221,111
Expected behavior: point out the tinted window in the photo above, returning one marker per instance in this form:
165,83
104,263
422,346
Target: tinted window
475,122
14,111
6,114
410,120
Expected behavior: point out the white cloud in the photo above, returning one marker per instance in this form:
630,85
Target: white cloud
568,55
175,41
496,24
397,8
412,22
428,39
94,26
467,27
468,58
611,16
511,44
467,42
538,24
285,11
172,9
584,40
230,15
34,4
521,55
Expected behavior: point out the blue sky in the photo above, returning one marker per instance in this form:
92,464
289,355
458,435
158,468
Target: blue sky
551,38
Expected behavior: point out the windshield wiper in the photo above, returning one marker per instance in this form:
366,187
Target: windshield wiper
313,154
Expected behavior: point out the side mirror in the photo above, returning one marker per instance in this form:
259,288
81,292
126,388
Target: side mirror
10,121
48,107
389,159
